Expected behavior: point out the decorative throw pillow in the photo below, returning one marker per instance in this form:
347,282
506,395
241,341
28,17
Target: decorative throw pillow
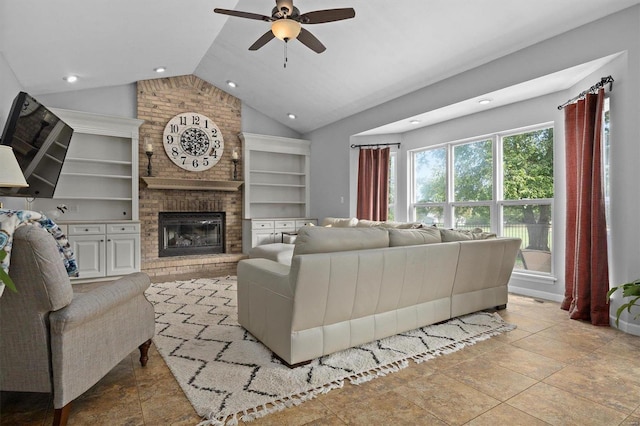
327,240
449,235
411,237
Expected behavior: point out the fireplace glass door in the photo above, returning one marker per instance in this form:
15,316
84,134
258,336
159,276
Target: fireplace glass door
190,233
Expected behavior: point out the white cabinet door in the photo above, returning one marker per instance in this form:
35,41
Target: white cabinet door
304,222
123,254
90,254
259,238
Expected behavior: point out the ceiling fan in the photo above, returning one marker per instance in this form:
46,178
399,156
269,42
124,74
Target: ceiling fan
286,23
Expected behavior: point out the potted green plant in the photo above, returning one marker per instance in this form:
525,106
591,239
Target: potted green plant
632,290
4,277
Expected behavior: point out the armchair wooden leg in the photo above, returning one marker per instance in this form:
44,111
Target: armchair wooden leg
144,351
61,415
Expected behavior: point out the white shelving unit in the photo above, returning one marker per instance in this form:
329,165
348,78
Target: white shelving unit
276,194
99,185
276,176
99,179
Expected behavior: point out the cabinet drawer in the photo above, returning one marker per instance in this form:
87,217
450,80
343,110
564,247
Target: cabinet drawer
87,229
262,224
285,224
123,228
301,223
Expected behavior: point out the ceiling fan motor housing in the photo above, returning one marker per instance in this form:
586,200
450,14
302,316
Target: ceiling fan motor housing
284,7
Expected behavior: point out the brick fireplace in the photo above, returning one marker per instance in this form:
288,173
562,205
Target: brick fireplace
159,100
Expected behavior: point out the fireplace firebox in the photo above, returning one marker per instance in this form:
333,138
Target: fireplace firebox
190,233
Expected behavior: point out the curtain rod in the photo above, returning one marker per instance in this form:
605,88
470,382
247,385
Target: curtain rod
592,89
376,144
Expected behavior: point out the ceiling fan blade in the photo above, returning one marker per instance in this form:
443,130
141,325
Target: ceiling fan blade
266,38
311,41
240,14
328,15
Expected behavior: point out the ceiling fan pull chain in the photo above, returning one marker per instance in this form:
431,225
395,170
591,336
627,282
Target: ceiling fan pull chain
285,53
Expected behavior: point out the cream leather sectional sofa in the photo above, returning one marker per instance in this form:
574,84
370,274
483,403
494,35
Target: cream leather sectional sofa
347,286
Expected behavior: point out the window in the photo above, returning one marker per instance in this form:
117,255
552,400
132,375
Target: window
502,183
391,214
606,166
472,184
430,185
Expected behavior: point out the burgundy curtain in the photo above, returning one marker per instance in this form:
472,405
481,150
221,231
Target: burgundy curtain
587,272
373,184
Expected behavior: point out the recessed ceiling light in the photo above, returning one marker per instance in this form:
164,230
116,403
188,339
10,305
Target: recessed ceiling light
414,122
484,101
231,84
291,116
160,69
70,78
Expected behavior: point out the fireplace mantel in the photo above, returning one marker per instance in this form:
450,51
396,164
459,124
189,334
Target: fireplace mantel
191,184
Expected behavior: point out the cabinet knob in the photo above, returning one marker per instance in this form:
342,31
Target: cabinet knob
123,229
102,241
109,240
86,229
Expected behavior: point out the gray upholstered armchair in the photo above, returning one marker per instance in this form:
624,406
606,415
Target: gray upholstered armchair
59,338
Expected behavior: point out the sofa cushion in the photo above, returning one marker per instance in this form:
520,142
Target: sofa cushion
278,252
340,222
401,225
449,235
364,223
326,240
412,237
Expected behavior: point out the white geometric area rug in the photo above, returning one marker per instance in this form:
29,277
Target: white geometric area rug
228,375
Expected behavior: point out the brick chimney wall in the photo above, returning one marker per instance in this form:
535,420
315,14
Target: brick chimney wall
159,100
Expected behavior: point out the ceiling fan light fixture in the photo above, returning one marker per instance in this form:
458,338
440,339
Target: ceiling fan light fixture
286,29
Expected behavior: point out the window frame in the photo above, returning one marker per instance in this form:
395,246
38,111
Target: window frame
497,203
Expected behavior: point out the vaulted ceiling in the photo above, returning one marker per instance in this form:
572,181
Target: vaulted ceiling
389,49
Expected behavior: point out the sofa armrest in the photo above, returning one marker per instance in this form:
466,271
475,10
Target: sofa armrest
92,304
265,303
270,275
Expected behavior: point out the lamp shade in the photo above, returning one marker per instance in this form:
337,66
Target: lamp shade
286,29
10,173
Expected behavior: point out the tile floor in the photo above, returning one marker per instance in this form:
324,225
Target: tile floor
530,376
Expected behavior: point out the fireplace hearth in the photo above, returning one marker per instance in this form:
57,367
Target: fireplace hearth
190,233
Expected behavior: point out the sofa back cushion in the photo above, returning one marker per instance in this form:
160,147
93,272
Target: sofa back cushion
412,237
449,235
315,239
340,222
364,223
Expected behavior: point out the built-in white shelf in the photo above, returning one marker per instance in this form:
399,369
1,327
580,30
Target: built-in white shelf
99,176
276,172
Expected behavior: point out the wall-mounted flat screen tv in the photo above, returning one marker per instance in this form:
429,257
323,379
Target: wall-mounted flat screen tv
40,141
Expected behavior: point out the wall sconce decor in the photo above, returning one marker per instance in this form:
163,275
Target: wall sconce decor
149,152
234,158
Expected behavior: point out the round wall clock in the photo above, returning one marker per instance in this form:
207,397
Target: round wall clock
193,141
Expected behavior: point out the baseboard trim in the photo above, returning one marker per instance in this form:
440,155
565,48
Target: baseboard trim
537,294
627,327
